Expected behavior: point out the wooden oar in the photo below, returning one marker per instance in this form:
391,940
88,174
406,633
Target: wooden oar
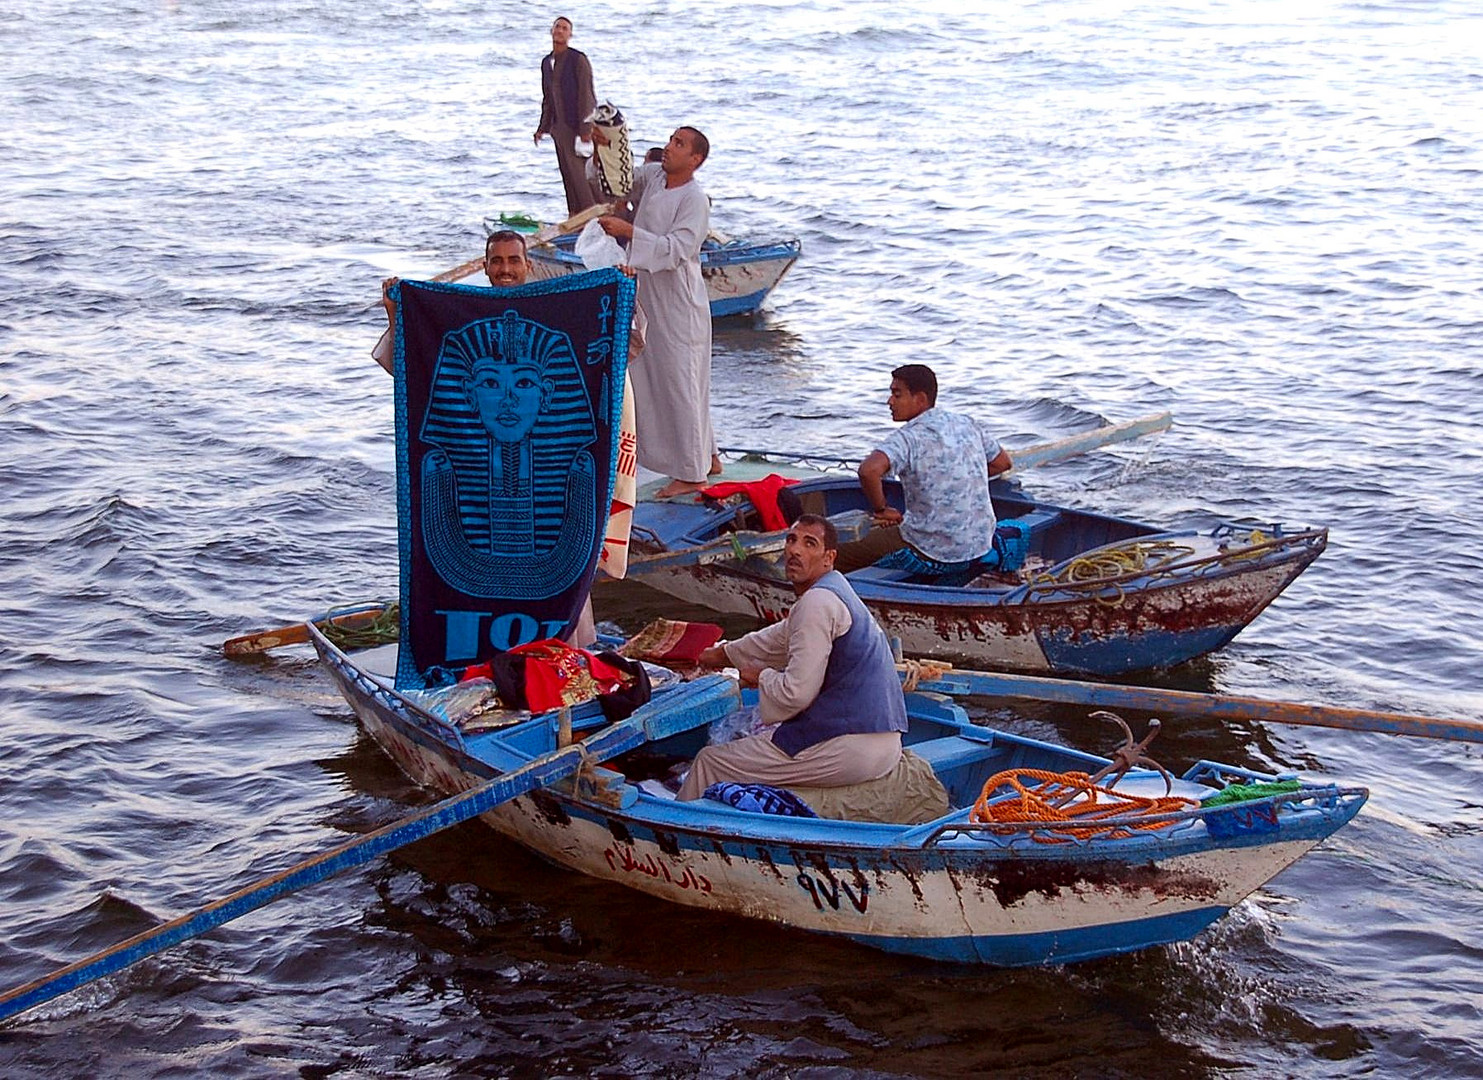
1189,704
1024,458
740,545
298,633
543,235
701,702
1044,453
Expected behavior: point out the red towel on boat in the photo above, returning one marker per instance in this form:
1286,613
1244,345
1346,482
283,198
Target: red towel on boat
764,496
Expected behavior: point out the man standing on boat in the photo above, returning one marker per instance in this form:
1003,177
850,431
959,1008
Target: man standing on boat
567,104
826,684
945,461
505,264
668,219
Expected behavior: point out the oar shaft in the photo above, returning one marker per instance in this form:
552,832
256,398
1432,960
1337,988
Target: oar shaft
1044,453
544,235
1026,457
691,705
570,225
1189,704
363,849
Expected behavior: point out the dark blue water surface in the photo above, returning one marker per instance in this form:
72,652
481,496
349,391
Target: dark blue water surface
1260,215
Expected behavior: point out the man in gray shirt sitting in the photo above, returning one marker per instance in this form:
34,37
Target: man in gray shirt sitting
826,684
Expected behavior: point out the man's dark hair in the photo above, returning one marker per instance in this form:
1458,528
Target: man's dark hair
919,379
824,525
654,153
502,236
698,143
562,18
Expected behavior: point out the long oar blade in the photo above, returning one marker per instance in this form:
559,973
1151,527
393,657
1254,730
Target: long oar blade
1060,449
1190,704
700,702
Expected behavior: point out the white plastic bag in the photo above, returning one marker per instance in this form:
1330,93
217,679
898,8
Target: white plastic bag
596,248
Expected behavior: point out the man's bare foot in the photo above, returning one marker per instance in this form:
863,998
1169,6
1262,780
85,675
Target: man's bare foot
678,487
715,465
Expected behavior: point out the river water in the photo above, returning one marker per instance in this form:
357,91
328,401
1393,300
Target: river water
1260,215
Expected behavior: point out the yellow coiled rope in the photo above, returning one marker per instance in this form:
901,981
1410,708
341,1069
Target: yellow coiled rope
1131,558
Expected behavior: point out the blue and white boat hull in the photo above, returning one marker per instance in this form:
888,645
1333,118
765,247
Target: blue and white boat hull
946,890
1197,593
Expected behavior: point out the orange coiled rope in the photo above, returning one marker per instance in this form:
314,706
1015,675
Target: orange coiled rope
1057,808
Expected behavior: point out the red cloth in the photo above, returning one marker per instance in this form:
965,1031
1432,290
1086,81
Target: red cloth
764,496
557,674
477,671
666,641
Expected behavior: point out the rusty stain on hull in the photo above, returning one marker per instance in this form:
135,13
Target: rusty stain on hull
550,809
1012,881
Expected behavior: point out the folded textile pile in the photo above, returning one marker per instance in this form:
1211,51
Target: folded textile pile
472,705
666,641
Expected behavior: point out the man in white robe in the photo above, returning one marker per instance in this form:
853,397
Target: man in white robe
670,217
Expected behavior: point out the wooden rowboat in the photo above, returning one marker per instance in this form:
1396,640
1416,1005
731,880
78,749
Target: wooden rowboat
946,889
1099,595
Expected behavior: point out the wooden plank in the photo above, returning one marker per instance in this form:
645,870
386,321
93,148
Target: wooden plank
298,633
699,703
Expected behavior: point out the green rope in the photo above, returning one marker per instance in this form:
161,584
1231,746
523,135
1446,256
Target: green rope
383,630
1237,793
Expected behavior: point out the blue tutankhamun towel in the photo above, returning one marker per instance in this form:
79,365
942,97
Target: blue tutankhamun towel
507,410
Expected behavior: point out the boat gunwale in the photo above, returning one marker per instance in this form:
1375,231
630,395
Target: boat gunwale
1302,545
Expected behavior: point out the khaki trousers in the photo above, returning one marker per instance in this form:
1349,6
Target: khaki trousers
845,759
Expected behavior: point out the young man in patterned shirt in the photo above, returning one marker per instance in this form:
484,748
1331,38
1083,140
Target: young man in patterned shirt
944,461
